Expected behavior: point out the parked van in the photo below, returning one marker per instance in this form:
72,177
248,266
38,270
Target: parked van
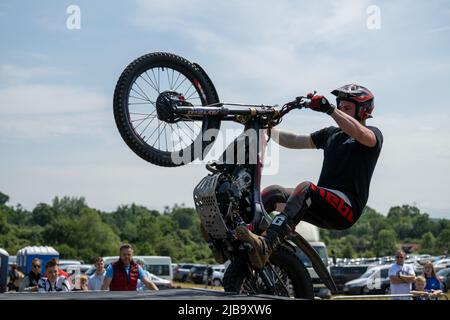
160,266
27,254
4,257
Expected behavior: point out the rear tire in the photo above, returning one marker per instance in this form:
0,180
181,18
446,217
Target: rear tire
284,259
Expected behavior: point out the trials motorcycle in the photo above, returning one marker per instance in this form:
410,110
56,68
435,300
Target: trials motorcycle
168,112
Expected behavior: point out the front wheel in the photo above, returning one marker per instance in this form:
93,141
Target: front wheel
146,121
291,277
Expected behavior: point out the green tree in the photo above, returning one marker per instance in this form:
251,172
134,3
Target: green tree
386,243
3,198
348,251
427,243
443,241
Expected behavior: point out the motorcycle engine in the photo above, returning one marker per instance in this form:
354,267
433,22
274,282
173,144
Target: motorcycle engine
233,193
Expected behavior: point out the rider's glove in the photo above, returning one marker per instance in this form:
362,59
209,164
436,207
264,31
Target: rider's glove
320,103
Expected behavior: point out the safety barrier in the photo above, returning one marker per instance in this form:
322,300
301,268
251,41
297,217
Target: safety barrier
424,296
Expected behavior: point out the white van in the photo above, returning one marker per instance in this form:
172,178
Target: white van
160,266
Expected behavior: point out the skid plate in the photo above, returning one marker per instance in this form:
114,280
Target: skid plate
207,207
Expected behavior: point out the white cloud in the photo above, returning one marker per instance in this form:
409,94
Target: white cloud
50,99
13,73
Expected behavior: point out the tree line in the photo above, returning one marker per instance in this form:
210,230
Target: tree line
377,235
78,231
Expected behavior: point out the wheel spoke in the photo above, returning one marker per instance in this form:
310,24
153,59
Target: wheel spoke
180,84
148,116
150,84
143,92
176,81
153,85
157,138
191,86
145,126
142,97
156,81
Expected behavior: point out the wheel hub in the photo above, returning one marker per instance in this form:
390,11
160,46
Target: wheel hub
167,103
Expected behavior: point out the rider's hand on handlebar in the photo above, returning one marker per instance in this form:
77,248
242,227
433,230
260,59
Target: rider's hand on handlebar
320,103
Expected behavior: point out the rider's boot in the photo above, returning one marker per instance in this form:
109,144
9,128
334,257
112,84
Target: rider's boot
264,245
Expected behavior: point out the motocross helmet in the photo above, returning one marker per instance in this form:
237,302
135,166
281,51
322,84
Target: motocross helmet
360,96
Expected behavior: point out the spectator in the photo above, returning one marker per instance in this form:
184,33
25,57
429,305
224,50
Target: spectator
60,271
30,282
83,283
141,286
124,274
401,276
96,280
420,291
15,277
433,282
209,274
53,281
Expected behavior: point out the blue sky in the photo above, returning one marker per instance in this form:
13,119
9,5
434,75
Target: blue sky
57,132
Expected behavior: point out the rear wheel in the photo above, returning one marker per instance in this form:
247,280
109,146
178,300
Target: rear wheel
291,278
144,123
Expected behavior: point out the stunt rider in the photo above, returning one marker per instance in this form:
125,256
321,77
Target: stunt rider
351,152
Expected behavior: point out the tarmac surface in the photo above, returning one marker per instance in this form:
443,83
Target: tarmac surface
171,294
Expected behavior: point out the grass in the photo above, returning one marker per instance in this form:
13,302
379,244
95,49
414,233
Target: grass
184,285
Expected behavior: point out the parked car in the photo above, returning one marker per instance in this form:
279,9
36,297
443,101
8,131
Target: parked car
181,272
78,268
343,274
374,281
441,264
444,276
196,274
217,276
160,283
66,262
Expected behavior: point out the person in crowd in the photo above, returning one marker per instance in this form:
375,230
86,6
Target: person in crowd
421,292
401,276
96,280
53,282
61,272
83,283
30,281
15,278
123,275
209,275
141,286
433,282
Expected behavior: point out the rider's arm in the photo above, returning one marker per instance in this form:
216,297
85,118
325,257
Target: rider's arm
291,139
354,129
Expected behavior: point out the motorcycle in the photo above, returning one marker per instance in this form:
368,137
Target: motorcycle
168,112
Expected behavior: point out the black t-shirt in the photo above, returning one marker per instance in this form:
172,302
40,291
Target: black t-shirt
347,165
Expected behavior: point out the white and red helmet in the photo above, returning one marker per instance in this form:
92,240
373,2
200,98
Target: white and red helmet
360,96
